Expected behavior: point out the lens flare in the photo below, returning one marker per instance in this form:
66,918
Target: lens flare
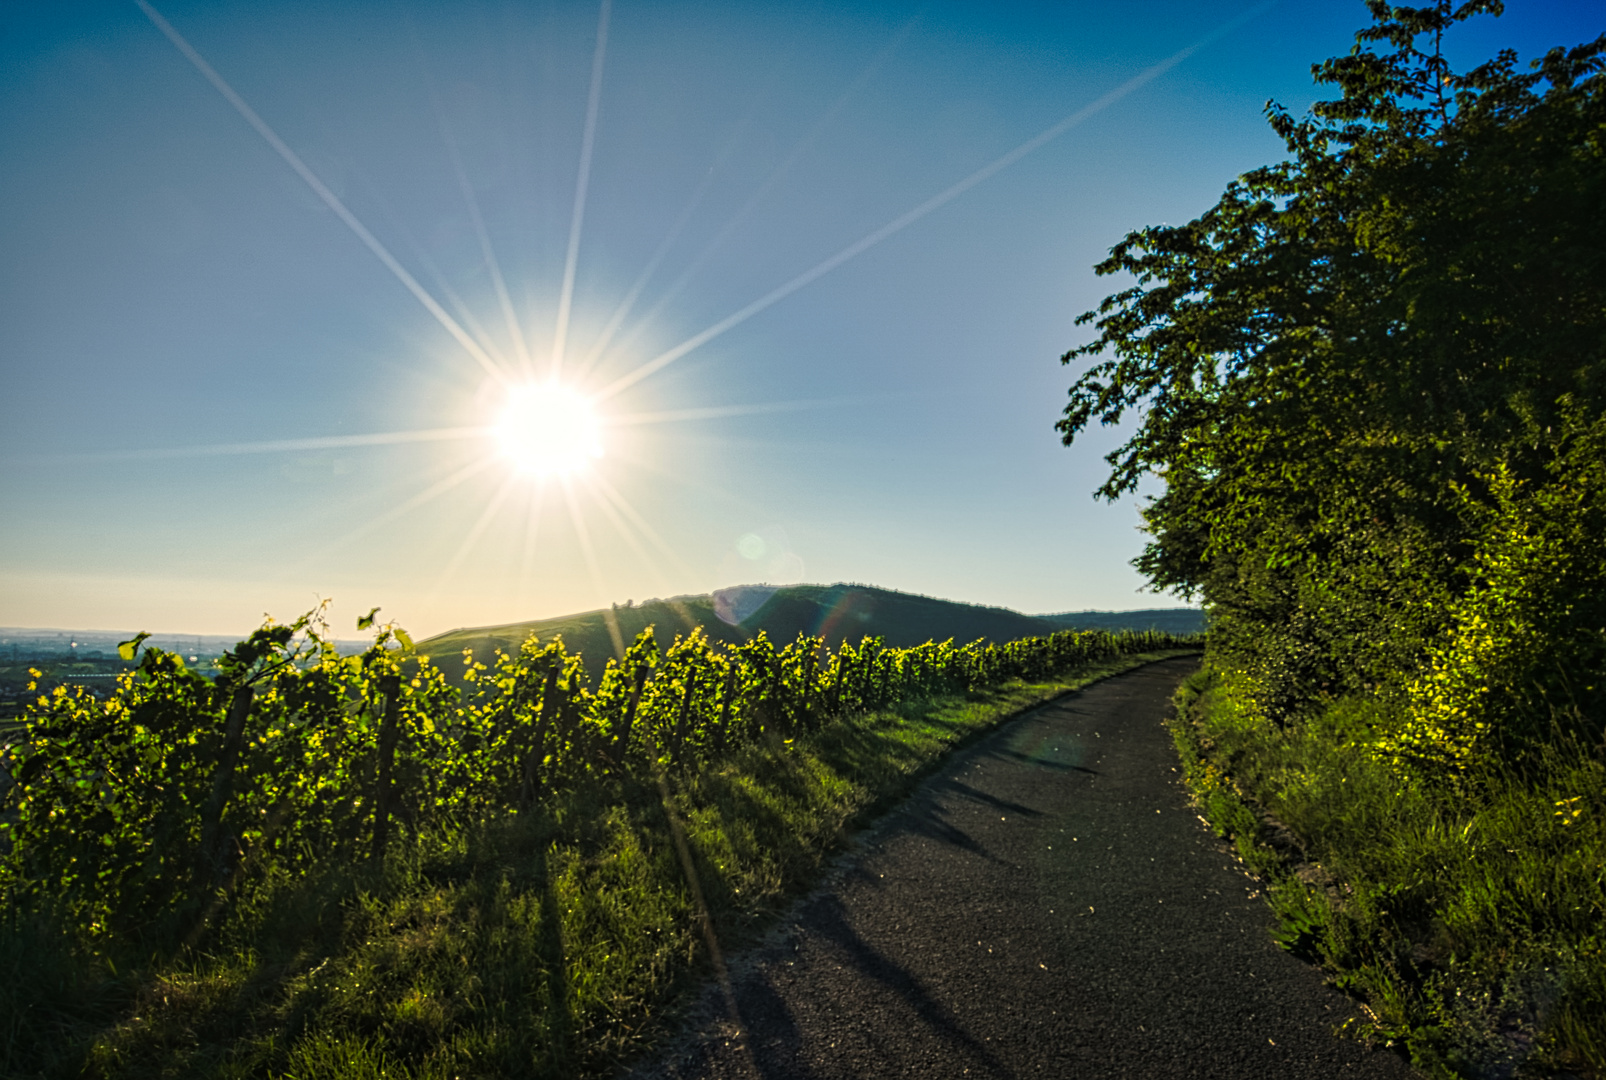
549,430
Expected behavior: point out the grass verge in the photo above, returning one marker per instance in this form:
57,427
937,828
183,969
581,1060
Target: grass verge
553,944
1471,925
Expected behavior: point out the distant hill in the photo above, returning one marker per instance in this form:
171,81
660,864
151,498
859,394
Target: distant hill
836,612
1171,620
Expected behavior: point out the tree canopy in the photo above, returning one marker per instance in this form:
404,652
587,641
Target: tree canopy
1361,371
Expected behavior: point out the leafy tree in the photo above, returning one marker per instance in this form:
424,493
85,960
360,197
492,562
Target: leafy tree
1334,361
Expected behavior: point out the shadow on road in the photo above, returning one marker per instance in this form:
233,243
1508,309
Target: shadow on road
777,1058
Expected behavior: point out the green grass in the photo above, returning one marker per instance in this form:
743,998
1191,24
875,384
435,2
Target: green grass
554,944
1471,924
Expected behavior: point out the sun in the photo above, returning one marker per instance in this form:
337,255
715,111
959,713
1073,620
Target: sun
548,430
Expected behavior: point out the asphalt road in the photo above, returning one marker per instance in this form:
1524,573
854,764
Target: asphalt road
1046,905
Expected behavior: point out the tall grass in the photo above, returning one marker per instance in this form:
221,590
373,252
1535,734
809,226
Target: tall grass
1469,919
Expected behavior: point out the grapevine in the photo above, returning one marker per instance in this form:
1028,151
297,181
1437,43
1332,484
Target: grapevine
139,813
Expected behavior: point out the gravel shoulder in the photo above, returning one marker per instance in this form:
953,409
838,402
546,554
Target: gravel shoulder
1047,904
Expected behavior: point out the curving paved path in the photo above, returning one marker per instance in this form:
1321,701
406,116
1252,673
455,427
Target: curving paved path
1046,905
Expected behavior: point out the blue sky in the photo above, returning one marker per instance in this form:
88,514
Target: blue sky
173,294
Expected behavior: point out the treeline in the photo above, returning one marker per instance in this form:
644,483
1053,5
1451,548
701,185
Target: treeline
1373,381
136,815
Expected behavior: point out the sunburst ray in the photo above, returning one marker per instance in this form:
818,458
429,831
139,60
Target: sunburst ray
532,531
473,535
612,513
487,252
720,412
942,198
429,494
622,311
281,446
612,495
690,271
459,306
729,147
571,258
321,189
628,535
583,535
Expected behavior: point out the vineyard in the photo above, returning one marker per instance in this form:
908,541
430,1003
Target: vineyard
139,815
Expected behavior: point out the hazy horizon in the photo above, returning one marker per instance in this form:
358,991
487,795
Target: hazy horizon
344,635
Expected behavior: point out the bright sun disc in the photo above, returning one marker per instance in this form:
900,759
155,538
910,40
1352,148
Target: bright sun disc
549,430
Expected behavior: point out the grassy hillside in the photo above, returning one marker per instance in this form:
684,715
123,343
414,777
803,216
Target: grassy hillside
836,612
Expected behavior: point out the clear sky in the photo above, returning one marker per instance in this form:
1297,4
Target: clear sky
739,232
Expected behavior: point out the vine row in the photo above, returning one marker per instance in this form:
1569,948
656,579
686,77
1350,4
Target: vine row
137,808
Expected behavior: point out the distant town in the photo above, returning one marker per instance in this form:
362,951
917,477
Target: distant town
89,658
23,644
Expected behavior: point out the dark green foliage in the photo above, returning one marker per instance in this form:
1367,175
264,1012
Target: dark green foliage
1334,360
1524,661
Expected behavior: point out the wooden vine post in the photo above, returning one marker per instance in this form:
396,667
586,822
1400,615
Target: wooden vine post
621,737
211,854
722,732
785,714
389,732
536,752
682,722
808,687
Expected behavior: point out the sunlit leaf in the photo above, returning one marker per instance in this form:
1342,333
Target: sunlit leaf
128,648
